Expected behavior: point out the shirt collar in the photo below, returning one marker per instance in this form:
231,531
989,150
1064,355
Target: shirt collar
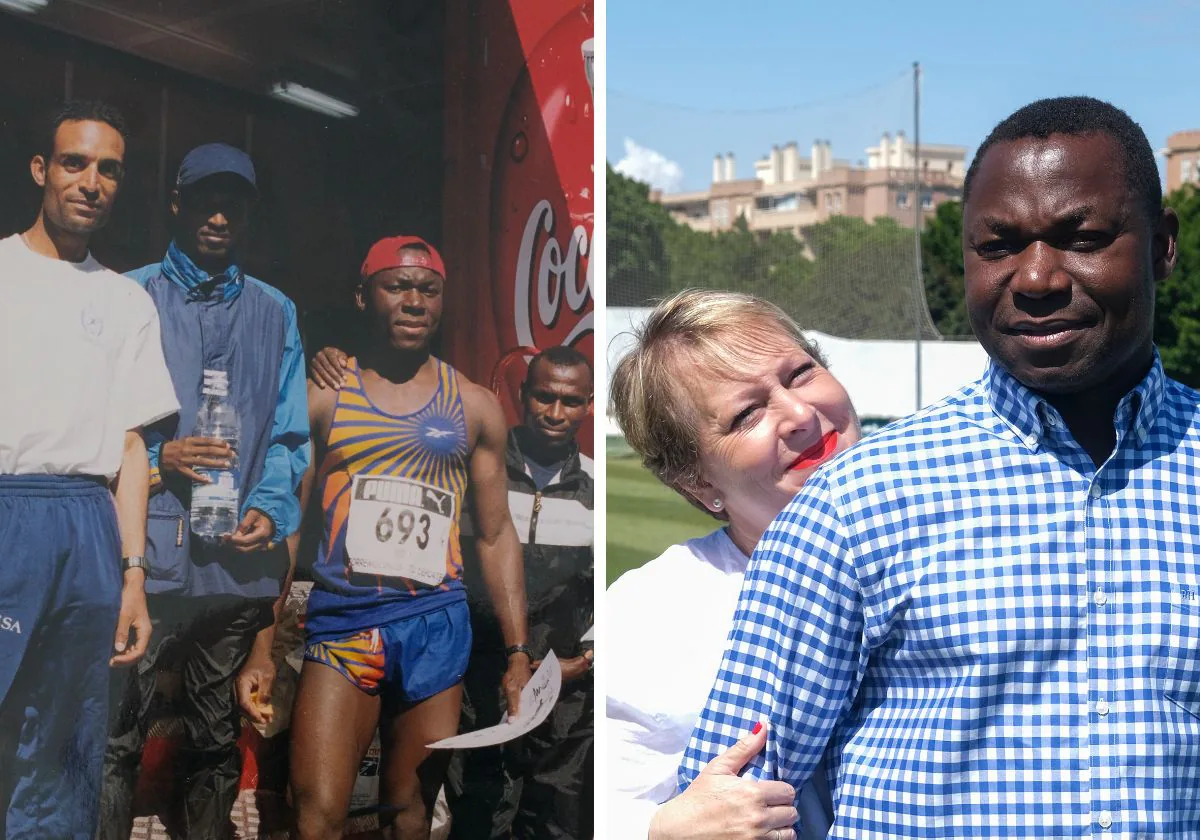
197,282
1138,411
517,461
1031,417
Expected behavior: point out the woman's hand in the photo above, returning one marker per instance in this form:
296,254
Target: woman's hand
720,805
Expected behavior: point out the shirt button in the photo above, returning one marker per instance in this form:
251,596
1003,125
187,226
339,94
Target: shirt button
1105,819
1102,708
1101,598
1095,491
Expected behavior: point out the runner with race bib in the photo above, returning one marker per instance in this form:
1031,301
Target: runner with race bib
391,491
388,630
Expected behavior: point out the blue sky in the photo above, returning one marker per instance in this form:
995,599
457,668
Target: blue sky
689,79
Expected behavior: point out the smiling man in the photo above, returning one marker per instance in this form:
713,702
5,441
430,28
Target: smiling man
70,421
209,600
539,786
987,612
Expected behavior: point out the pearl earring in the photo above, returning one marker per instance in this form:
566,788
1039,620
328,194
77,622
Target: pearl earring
718,504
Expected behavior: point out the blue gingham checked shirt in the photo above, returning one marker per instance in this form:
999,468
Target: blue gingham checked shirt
993,637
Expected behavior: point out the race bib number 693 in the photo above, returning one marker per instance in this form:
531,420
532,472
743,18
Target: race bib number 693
399,527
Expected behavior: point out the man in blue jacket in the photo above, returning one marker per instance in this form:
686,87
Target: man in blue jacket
209,600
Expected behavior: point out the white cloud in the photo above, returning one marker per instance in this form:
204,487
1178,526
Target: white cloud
650,167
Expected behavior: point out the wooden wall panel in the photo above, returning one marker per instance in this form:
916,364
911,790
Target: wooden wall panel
329,187
33,66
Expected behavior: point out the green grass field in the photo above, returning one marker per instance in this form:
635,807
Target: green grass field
644,517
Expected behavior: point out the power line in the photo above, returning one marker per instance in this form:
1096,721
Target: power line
774,109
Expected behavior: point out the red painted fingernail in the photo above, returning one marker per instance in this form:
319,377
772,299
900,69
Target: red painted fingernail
757,728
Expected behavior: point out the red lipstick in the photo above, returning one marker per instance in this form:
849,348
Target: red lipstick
816,453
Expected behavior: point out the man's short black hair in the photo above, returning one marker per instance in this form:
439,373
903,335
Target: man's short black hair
559,356
80,110
1076,115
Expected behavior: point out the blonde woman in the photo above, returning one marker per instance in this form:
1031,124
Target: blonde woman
729,405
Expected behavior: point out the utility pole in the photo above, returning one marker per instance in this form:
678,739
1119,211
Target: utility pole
918,289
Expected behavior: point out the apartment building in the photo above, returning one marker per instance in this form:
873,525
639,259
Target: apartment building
1183,159
789,193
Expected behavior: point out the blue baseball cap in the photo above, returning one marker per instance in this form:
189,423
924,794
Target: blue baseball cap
213,159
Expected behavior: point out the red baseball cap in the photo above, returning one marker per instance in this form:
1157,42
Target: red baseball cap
400,251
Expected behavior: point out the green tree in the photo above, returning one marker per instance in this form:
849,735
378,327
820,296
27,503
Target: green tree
1177,303
863,283
638,268
942,266
771,266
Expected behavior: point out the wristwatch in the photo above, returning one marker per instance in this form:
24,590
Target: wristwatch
135,562
509,651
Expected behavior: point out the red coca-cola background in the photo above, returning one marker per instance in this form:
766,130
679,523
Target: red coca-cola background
519,185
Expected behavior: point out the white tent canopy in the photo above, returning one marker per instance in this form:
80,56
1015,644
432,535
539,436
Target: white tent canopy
880,376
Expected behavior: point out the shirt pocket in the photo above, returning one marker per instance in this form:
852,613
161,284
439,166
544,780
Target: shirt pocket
1178,663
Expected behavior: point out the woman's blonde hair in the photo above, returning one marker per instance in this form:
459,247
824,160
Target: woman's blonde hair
713,331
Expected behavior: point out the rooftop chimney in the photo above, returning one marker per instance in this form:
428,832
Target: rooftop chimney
791,162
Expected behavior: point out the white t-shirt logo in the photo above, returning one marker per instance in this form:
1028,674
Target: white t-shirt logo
92,323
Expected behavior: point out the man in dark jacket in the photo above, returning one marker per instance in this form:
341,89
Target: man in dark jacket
209,599
539,786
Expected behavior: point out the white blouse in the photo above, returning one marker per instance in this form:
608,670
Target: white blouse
669,622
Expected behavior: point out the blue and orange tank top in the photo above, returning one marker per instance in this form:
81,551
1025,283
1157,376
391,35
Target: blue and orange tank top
429,446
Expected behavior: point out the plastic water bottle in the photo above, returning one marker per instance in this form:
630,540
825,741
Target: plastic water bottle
215,506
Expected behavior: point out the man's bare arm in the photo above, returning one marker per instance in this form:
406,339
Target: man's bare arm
499,548
132,493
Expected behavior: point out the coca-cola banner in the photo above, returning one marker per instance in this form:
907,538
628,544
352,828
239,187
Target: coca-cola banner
520,184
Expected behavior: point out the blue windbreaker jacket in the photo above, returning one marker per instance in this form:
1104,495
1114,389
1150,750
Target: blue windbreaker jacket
241,325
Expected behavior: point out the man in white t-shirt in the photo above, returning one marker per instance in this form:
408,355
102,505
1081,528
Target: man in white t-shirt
84,372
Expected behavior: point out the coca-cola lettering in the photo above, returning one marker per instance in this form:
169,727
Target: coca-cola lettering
525,109
558,280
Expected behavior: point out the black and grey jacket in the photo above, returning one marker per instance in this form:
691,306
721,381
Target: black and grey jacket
555,526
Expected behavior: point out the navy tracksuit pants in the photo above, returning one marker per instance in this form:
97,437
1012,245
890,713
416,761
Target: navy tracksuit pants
60,589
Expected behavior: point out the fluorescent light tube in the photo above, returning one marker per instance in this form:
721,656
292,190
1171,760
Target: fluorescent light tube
24,6
314,100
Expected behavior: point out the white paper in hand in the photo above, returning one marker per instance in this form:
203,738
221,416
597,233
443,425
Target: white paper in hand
590,635
537,701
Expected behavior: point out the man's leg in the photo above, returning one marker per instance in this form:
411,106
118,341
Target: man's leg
214,650
482,794
556,801
333,722
427,657
57,701
25,591
130,696
412,774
